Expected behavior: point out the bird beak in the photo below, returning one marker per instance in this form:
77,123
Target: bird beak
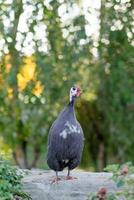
79,91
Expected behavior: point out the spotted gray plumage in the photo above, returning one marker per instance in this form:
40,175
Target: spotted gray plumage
65,142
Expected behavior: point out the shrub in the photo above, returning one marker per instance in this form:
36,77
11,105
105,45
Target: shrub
123,176
10,183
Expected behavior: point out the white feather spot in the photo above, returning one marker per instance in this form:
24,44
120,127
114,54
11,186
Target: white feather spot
72,128
66,161
69,129
63,134
78,131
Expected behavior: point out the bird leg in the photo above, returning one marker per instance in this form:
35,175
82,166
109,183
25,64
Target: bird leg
68,177
56,179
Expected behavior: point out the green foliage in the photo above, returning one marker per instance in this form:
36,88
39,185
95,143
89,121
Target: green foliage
123,176
10,182
108,119
63,54
5,151
28,116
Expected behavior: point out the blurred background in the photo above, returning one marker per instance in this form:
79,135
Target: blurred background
46,46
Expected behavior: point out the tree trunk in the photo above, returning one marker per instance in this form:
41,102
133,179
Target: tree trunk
20,155
101,157
21,158
36,157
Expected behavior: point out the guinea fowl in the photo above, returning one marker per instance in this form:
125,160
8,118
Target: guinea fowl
66,139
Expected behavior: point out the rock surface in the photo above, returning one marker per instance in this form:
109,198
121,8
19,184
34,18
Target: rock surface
38,184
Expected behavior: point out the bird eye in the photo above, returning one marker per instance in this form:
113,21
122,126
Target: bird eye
74,88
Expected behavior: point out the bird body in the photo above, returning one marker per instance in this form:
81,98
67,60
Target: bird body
65,143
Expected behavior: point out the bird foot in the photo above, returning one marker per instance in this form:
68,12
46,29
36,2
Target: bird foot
70,178
56,180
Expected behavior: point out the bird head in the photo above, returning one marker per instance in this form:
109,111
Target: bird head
75,91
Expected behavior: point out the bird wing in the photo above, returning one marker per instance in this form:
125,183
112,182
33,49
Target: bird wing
51,131
55,123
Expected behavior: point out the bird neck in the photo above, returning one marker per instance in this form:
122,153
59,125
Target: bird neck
71,107
72,100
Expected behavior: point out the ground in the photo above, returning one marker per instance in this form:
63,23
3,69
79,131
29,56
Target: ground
38,184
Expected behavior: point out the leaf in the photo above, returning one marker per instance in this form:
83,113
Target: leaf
120,183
